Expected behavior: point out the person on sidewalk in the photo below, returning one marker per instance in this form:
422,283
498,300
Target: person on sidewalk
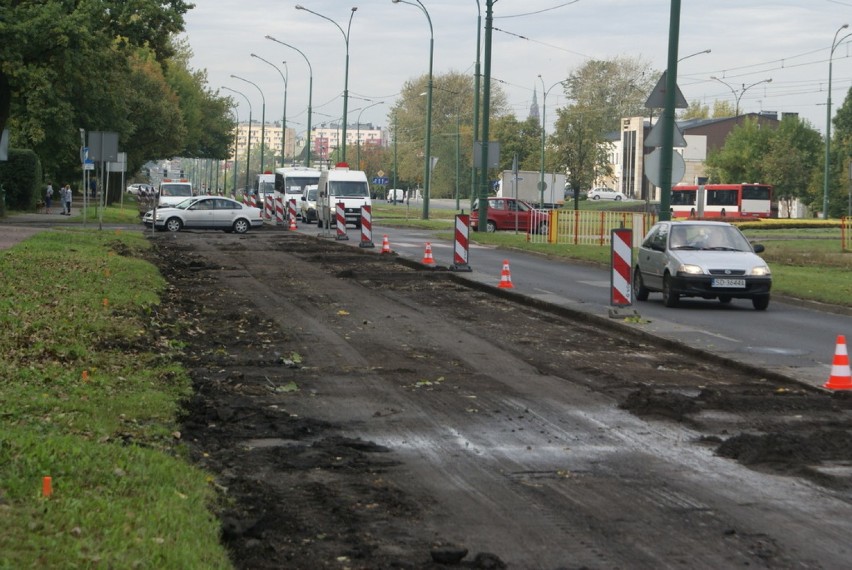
66,199
48,197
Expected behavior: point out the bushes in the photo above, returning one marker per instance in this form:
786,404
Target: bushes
21,177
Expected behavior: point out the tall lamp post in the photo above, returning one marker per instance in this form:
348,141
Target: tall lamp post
310,93
825,174
359,130
346,72
284,114
248,139
742,91
475,100
543,125
427,175
262,119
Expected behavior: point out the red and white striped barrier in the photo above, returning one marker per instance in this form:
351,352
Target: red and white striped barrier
622,261
366,227
340,215
291,204
268,208
279,210
461,245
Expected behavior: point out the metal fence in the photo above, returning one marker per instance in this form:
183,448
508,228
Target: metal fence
582,227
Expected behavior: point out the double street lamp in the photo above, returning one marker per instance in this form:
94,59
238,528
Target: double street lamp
825,174
742,92
262,118
359,130
428,158
543,130
284,115
310,94
346,72
248,139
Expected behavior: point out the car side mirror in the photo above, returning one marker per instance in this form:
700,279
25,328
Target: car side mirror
758,248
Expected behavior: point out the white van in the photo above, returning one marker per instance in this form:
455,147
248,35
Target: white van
337,185
174,191
396,195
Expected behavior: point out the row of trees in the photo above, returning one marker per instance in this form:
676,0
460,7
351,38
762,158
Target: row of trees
116,66
105,66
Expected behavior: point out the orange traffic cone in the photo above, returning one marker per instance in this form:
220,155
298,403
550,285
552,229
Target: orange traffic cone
506,277
293,223
841,375
385,244
427,255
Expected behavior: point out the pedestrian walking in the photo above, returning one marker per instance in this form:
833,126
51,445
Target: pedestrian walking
48,197
67,197
93,188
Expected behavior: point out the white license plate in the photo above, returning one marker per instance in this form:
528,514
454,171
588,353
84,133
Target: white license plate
730,283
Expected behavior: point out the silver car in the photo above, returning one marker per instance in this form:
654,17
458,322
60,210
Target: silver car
605,194
207,213
710,260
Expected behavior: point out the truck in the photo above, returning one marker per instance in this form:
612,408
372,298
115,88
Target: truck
527,187
292,182
173,191
340,184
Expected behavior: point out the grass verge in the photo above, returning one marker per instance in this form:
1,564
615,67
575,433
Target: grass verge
91,402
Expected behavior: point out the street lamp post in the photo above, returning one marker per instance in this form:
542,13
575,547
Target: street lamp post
310,93
827,168
284,114
262,119
742,92
694,54
346,35
475,99
248,140
543,124
359,130
427,175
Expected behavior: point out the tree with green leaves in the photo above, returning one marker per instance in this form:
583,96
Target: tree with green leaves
841,151
579,147
521,138
452,131
741,158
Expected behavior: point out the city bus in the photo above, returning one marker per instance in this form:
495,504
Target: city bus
722,200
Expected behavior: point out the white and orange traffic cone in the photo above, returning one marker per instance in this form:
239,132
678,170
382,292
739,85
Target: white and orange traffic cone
841,376
293,223
505,277
427,255
385,244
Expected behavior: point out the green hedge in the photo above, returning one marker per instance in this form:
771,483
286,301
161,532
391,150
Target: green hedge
21,177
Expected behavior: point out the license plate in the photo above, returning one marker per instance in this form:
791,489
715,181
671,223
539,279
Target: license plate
729,283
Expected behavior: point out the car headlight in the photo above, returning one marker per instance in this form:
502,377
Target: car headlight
690,269
762,271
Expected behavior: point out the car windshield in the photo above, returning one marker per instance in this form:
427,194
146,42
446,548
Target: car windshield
708,237
183,205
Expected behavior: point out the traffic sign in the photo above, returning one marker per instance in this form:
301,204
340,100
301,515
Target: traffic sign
653,168
381,180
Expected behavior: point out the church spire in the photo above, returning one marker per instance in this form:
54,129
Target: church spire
534,107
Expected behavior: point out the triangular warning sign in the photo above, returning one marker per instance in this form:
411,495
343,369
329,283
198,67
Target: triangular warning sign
655,137
657,98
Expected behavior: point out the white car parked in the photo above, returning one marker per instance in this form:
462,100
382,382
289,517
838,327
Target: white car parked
605,194
206,213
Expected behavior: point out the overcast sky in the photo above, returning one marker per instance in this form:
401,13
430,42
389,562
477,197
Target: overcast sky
788,41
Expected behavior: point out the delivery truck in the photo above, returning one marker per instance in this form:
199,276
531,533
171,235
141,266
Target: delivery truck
526,187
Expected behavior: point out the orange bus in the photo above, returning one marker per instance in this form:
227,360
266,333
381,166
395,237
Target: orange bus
721,200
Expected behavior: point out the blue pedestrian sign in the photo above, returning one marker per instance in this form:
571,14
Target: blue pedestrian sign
382,180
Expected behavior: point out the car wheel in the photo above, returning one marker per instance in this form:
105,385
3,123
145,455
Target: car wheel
174,224
241,226
596,197
491,227
319,223
670,298
724,299
618,198
639,290
760,302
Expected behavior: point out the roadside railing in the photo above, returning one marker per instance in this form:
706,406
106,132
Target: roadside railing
583,227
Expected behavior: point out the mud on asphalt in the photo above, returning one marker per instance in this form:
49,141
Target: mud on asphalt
298,491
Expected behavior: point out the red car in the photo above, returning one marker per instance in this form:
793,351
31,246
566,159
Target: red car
511,214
